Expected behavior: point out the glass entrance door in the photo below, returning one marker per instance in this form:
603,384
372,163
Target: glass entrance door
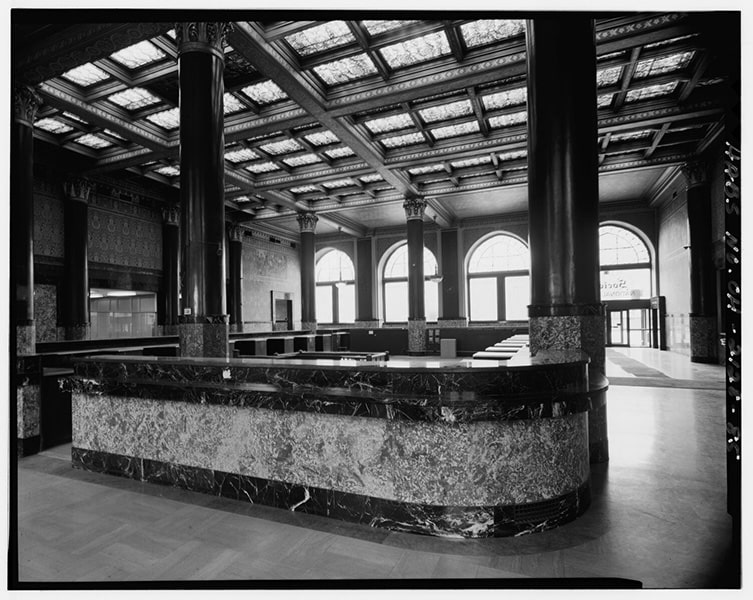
629,327
617,328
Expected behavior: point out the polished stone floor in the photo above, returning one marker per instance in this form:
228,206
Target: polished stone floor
658,516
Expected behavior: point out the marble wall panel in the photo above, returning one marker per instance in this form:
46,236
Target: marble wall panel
28,406
268,267
124,240
476,464
48,225
45,312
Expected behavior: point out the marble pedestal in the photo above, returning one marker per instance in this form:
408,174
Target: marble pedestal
203,339
417,336
703,339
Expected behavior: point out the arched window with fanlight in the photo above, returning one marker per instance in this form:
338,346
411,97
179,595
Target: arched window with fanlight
335,288
395,286
498,279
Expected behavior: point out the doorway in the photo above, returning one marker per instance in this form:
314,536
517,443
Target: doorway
629,325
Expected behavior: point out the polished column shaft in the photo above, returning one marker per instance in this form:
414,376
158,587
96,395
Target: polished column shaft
170,270
414,213
202,142
26,103
307,222
365,316
450,308
235,282
75,292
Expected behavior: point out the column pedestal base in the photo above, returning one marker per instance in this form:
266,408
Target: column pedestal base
77,332
308,326
203,339
703,339
366,324
417,336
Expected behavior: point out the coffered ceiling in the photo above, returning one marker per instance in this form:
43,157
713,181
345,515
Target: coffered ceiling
347,117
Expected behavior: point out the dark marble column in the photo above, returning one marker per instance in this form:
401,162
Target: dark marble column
203,328
170,302
25,103
75,292
563,198
414,213
235,287
450,316
703,328
307,222
365,269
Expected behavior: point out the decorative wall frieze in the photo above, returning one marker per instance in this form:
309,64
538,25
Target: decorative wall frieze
307,221
26,102
414,208
78,189
639,26
202,37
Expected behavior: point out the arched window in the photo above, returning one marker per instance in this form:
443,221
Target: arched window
335,288
395,282
625,265
498,280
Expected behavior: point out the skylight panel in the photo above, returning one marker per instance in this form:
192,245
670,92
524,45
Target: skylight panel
449,131
487,31
263,167
304,189
371,178
446,111
630,135
322,138
341,152
338,183
608,76
138,55
301,160
425,169
505,99
282,147
651,91
93,141
416,50
86,75
264,92
242,155
241,199
168,119
133,98
604,100
53,126
391,123
322,37
168,171
346,69
659,66
232,104
401,141
507,120
377,27
471,162
512,155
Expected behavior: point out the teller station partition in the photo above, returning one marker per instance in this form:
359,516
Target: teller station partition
463,448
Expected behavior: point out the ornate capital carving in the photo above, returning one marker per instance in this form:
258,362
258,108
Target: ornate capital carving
78,189
202,37
307,222
26,102
695,173
171,215
414,208
235,232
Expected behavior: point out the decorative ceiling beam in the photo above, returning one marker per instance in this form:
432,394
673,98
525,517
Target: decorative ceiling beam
655,142
695,78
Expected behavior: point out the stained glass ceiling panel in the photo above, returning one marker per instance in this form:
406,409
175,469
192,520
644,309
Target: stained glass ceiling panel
53,126
371,178
652,91
670,41
264,92
608,76
321,138
133,98
168,119
264,167
416,50
346,69
304,189
138,55
86,75
322,37
604,100
401,141
507,120
391,123
93,141
504,99
301,160
378,27
446,111
341,152
631,135
487,31
338,183
282,147
512,155
441,133
471,162
659,66
242,155
168,171
425,169
232,104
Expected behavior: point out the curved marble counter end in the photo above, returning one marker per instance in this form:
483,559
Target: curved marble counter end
469,448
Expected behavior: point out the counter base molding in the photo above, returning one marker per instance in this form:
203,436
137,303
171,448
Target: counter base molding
443,521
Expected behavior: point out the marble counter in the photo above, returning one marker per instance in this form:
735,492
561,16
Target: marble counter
460,448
